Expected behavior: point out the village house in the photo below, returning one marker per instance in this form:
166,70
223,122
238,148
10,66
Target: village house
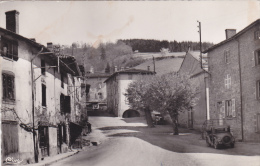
196,115
234,67
97,96
117,84
39,101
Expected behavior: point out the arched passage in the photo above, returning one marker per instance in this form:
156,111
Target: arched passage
131,113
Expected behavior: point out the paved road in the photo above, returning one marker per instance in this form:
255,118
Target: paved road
128,142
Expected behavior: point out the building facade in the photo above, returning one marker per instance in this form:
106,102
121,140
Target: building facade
196,115
234,81
35,104
117,84
97,96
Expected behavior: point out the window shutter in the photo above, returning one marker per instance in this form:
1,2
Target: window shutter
67,104
254,59
225,83
223,109
233,108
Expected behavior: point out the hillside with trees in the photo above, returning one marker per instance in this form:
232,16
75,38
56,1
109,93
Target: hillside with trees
121,53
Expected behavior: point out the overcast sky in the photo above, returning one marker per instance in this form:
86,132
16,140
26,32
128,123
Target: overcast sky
95,21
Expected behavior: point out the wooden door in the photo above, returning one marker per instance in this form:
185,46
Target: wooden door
44,140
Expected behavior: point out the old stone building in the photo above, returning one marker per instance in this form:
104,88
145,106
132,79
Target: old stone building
234,81
196,115
36,102
117,84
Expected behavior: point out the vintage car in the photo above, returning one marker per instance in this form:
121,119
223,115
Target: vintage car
158,119
217,134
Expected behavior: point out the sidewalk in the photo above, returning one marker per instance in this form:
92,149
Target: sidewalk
52,159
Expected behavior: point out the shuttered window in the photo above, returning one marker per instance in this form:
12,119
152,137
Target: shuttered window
228,108
9,48
258,89
8,87
257,122
228,82
227,56
233,108
257,57
43,95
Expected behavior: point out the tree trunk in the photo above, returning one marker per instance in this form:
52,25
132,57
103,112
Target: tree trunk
148,117
175,124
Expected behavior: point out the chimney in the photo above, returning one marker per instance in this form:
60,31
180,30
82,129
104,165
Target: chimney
148,68
50,46
230,33
12,21
115,68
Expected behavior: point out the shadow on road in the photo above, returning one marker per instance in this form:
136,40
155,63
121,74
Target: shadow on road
189,141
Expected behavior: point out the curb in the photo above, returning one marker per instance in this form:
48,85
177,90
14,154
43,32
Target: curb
51,162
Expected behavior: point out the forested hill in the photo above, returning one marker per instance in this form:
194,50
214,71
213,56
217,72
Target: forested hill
146,45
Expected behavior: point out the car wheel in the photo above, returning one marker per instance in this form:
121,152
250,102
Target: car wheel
216,145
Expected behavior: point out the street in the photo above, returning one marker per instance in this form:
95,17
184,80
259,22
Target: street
128,142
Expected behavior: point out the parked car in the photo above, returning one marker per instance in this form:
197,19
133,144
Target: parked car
159,119
217,133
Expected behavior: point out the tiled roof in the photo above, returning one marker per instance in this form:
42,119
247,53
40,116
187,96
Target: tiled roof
64,65
130,71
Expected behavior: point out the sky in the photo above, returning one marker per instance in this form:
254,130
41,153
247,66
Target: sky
93,22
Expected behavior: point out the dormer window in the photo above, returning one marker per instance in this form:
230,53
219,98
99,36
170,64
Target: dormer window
9,48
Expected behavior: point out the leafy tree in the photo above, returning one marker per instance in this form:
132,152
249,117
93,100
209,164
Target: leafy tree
169,94
138,97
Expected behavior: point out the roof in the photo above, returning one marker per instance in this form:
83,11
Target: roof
164,66
195,56
130,71
233,37
97,75
64,65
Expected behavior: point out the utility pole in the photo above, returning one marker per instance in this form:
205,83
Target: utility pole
199,26
153,64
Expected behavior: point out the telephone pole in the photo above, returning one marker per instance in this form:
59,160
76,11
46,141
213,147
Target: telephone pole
199,26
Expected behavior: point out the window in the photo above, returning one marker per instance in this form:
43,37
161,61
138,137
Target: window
130,76
8,87
228,82
227,56
100,95
43,67
257,57
227,108
257,123
258,89
9,48
43,95
257,35
62,98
